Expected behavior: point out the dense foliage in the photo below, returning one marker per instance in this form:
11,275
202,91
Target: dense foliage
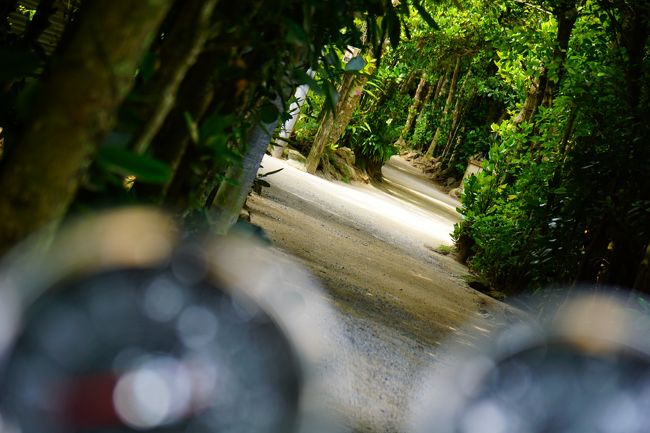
167,103
175,103
552,95
563,196
377,121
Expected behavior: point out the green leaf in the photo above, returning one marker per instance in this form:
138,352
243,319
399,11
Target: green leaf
303,78
226,154
355,64
148,65
331,96
269,113
372,94
332,58
126,163
379,44
215,124
295,33
192,127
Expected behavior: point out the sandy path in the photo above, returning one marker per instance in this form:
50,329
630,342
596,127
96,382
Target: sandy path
397,300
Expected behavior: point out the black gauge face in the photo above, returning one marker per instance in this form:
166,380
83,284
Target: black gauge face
148,350
559,388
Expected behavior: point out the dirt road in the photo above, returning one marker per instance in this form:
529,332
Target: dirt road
398,300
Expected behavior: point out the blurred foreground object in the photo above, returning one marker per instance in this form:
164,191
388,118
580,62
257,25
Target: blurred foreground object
125,326
586,370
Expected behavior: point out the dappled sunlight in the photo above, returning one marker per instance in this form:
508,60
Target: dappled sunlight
389,218
397,214
455,173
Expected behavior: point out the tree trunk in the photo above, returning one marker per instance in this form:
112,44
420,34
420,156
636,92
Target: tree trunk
179,51
173,138
433,90
542,89
566,19
73,112
413,109
333,124
533,98
452,88
441,89
430,92
372,168
231,196
445,111
300,96
453,154
406,85
434,141
455,118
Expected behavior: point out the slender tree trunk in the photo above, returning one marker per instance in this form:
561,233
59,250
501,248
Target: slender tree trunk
441,88
173,137
333,124
542,89
406,85
327,126
455,117
568,131
431,90
231,196
454,152
434,141
413,109
425,105
73,112
566,19
300,96
533,98
452,88
450,97
179,51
